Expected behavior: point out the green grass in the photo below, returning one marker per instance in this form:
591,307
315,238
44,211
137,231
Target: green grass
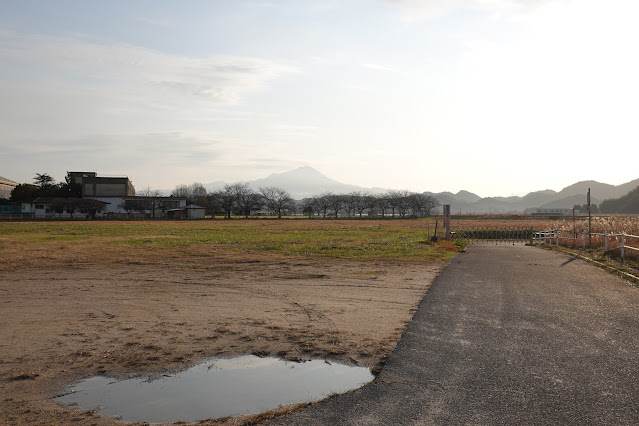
395,239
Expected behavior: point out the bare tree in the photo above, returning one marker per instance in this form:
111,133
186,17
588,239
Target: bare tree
226,199
417,203
322,203
152,201
89,207
382,204
403,202
194,193
351,202
430,203
247,200
308,206
335,203
360,202
393,197
277,200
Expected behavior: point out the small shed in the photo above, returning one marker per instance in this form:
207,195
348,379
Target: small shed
188,212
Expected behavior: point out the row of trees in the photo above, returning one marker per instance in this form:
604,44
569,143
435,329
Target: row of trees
241,200
401,203
45,186
234,200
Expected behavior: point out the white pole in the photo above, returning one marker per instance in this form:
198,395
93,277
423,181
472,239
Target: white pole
584,240
623,242
605,241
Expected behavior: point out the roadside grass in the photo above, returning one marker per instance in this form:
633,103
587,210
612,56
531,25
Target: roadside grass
34,244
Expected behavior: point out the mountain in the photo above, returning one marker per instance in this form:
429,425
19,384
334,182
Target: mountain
305,182
301,182
628,203
625,188
468,197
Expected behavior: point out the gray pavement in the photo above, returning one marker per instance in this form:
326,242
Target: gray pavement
507,335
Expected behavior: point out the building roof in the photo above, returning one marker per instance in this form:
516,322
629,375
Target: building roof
189,207
72,200
6,181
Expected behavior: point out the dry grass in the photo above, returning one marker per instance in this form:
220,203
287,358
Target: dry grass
38,244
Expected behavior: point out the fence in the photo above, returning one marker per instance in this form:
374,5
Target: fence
625,244
495,235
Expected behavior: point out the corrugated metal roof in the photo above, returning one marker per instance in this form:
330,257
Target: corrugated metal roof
9,181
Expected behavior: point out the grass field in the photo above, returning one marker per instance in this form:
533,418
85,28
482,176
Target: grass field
44,243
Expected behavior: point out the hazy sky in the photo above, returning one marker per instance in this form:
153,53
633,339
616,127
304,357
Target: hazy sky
498,97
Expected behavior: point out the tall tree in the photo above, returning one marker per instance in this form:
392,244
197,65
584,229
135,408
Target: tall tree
45,184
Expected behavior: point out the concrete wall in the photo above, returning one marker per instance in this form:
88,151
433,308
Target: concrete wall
107,187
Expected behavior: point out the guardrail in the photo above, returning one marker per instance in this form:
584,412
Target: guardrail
610,242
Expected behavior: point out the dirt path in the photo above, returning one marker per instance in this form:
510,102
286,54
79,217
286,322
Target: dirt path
60,325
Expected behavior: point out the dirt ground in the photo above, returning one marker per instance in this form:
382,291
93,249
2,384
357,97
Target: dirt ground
62,325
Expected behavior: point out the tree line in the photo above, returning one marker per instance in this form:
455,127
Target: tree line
237,199
61,197
45,186
241,200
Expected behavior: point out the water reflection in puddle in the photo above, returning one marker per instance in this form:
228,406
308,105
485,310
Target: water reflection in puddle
215,388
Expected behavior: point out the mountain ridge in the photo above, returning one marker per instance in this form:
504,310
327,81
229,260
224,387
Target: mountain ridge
306,181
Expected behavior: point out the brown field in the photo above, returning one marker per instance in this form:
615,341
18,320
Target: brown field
125,299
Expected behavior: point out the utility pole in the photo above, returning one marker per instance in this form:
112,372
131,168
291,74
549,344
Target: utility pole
446,211
589,221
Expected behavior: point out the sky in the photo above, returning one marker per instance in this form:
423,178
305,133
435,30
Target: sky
497,97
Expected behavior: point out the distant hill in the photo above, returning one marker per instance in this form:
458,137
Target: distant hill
305,182
628,203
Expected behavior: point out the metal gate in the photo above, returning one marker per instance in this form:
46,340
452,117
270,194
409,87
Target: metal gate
495,235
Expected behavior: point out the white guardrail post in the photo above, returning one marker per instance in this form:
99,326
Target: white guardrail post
623,241
583,245
605,241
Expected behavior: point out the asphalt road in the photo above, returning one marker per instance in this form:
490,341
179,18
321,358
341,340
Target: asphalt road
507,335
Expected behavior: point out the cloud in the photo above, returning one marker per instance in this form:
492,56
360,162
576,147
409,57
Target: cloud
378,67
416,10
137,70
289,130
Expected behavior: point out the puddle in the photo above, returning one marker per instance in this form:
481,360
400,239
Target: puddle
215,388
